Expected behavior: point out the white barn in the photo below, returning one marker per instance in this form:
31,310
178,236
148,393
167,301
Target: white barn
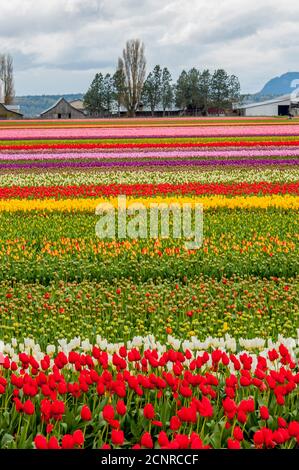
280,106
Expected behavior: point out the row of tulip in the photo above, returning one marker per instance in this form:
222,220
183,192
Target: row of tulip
285,202
148,190
116,310
164,163
145,144
277,152
140,122
48,245
73,177
149,397
150,132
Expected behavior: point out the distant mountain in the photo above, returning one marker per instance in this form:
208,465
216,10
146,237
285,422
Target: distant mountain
280,85
32,106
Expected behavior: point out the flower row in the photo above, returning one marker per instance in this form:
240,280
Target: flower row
147,122
146,398
52,164
199,307
232,189
109,144
286,201
185,175
57,155
150,132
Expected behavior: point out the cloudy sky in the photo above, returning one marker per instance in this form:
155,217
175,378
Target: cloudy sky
58,45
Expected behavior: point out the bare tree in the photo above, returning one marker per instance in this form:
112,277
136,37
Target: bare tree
133,65
6,74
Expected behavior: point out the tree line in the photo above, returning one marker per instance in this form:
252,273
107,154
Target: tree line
194,92
6,75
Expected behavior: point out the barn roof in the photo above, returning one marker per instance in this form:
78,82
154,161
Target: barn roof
57,103
11,111
279,99
76,101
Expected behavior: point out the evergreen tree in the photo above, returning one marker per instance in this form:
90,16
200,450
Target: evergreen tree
94,99
108,89
204,91
152,89
194,97
119,84
188,91
234,89
182,91
167,91
220,89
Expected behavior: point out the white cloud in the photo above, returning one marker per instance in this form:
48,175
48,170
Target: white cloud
71,39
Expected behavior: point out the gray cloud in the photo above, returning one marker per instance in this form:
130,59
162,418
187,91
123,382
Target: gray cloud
58,45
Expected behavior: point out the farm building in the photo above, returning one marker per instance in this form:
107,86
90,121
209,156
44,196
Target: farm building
78,104
145,111
62,109
10,112
280,106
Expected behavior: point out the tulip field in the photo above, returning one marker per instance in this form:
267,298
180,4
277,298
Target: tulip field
141,343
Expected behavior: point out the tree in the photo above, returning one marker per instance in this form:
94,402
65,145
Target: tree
220,89
225,89
152,89
119,87
133,65
94,99
193,90
234,89
167,93
108,91
205,91
182,91
187,90
6,75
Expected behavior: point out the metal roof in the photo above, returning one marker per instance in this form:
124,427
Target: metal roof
6,108
279,99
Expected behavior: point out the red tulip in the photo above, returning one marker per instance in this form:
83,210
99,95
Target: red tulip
175,423
78,437
40,442
117,437
238,433
108,412
28,407
53,443
67,442
147,441
149,411
121,408
231,444
86,413
264,412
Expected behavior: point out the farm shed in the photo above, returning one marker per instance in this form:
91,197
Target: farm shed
78,104
62,109
10,112
280,106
